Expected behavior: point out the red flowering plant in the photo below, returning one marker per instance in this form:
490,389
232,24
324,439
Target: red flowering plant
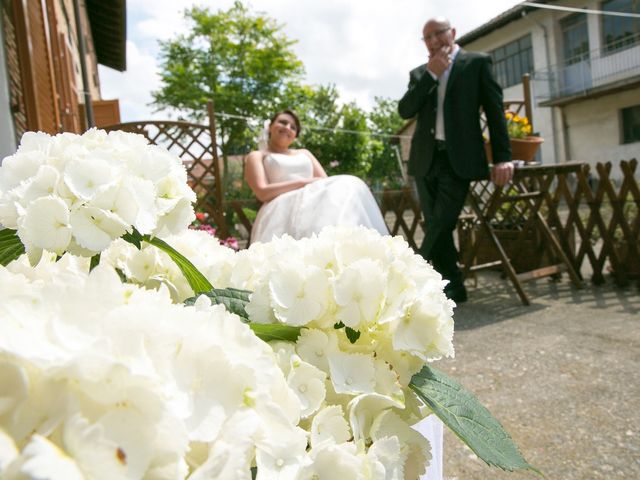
204,222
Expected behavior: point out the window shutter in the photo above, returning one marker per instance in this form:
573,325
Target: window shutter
14,70
45,94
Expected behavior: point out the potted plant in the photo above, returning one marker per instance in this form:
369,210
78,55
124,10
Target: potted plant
523,145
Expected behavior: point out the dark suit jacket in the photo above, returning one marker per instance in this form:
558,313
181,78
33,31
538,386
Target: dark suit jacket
471,85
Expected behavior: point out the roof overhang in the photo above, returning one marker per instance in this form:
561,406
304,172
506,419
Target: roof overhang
514,13
108,21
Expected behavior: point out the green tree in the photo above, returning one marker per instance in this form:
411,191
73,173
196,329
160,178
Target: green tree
336,134
240,60
384,119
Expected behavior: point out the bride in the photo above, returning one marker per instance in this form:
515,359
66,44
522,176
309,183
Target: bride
298,197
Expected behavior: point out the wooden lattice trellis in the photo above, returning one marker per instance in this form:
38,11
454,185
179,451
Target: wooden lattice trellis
400,207
195,144
592,216
603,216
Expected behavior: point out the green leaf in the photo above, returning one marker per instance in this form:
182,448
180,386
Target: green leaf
272,331
470,421
233,299
352,335
11,246
197,281
134,238
95,261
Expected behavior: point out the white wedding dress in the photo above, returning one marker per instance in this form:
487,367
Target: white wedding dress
342,200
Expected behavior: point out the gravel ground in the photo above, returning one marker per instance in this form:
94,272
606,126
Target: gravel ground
562,375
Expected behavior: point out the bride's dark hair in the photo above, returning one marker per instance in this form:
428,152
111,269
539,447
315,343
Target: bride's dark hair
292,114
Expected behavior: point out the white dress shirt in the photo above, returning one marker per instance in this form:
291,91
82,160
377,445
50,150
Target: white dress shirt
442,88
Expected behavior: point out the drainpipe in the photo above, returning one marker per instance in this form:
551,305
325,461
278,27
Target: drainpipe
556,147
88,106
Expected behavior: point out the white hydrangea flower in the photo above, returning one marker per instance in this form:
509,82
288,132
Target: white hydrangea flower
299,293
80,192
94,228
46,224
315,346
118,445
426,330
307,382
86,179
334,461
364,409
387,382
41,459
152,268
387,456
384,292
359,293
8,451
330,425
414,446
230,456
123,382
352,373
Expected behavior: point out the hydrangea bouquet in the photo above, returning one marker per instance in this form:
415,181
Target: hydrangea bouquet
119,359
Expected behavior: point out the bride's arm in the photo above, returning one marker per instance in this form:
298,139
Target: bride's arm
318,171
256,178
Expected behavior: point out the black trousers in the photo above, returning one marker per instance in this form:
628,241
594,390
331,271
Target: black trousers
442,195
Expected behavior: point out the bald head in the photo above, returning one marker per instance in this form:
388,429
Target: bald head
438,34
438,22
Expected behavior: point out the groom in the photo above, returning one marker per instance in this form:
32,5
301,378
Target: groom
447,152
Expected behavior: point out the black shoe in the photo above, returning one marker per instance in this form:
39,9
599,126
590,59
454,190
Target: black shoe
456,292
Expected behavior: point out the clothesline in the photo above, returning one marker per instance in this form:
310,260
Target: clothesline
326,129
582,10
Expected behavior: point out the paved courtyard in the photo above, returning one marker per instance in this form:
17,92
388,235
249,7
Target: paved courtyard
562,375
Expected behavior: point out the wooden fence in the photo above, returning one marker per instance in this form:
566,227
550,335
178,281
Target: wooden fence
596,218
196,145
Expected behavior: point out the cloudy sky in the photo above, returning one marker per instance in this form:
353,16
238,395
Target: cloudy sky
365,47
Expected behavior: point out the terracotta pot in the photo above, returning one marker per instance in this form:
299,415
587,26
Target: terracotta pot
525,148
521,148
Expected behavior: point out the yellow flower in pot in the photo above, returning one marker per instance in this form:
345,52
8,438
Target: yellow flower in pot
523,145
517,126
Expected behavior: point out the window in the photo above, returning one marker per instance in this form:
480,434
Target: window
513,60
620,32
631,124
575,38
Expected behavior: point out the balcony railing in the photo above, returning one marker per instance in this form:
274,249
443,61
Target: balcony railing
603,67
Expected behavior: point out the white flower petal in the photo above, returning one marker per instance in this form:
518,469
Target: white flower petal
8,450
329,424
315,346
41,459
307,382
87,177
352,373
95,229
46,225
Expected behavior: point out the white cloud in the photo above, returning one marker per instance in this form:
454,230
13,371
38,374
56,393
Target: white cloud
134,86
365,47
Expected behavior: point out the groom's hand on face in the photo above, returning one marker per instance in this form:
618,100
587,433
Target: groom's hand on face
440,61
